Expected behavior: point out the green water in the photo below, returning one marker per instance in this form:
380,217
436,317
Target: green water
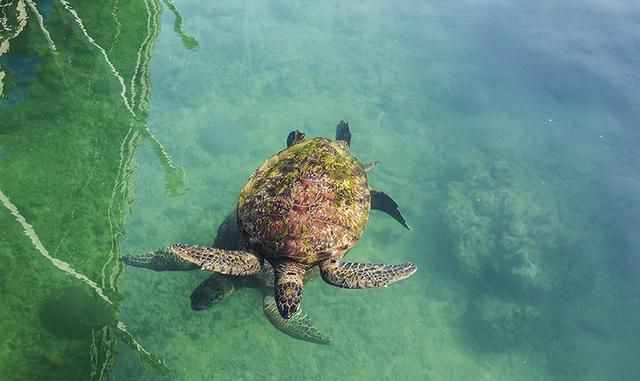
507,132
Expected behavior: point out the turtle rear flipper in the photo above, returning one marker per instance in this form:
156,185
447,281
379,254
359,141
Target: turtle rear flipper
383,202
211,292
295,137
298,325
228,262
343,132
159,260
364,275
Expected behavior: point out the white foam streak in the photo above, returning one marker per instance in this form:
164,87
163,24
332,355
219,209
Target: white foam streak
123,87
34,9
59,264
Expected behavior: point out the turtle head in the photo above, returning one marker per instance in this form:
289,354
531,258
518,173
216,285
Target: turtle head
211,292
288,287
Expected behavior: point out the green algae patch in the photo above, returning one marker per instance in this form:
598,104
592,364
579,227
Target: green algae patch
73,312
72,115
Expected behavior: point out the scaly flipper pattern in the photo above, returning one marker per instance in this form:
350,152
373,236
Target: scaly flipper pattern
159,260
288,287
363,275
298,325
228,262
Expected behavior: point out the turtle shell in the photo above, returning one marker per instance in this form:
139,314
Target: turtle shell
308,203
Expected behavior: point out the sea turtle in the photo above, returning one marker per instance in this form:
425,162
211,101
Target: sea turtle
218,287
305,206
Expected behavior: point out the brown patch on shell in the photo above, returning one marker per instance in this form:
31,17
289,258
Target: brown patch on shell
308,203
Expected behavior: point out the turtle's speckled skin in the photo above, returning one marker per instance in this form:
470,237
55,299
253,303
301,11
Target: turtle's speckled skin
308,203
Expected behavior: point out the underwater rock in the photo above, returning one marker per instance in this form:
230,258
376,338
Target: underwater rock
73,312
499,322
507,228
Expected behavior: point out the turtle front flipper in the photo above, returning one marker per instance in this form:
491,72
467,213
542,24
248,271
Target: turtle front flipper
288,287
294,138
383,202
211,291
228,262
363,275
343,132
298,326
159,260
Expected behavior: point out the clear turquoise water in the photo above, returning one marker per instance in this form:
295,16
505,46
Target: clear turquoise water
507,132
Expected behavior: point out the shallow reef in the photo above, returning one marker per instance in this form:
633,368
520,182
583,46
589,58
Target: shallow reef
497,324
508,227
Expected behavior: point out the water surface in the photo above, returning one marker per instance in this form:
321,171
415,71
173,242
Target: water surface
505,130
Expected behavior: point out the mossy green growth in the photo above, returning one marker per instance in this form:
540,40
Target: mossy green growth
317,174
280,171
